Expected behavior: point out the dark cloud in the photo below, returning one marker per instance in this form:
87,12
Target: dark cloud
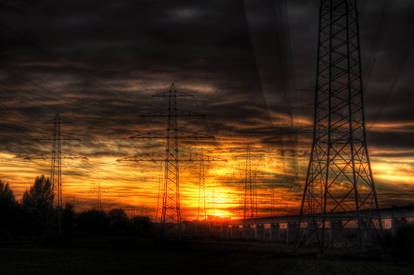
251,65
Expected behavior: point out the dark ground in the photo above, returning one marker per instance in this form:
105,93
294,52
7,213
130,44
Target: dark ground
115,255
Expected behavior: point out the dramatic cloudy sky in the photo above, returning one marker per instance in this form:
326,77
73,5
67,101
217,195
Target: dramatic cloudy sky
250,66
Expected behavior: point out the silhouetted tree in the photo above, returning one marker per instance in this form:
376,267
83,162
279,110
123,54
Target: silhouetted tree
6,196
38,206
68,219
40,195
8,211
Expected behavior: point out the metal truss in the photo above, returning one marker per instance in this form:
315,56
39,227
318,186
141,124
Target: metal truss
339,177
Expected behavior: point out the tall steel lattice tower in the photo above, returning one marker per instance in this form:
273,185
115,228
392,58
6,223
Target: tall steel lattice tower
339,177
250,192
99,191
56,162
202,209
170,186
171,210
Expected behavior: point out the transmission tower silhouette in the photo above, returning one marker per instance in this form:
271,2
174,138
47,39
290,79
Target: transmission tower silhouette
98,190
250,192
56,161
171,207
339,177
56,164
160,183
170,189
99,197
201,209
202,186
56,158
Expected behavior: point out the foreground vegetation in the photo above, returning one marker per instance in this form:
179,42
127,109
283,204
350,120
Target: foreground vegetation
36,219
38,238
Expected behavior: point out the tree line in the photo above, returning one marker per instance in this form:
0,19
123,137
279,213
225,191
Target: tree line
36,218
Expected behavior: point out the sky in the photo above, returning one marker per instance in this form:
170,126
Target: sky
250,66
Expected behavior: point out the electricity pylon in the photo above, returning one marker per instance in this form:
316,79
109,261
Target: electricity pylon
56,165
56,158
56,161
201,209
248,181
98,190
339,177
250,191
202,187
171,206
99,197
160,179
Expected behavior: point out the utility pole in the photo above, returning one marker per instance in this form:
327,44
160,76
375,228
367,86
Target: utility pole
339,177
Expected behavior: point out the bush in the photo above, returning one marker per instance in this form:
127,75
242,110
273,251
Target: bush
92,221
119,221
141,225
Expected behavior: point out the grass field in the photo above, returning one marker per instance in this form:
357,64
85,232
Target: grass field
146,256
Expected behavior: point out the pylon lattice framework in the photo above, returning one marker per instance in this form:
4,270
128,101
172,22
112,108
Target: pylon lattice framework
201,209
99,193
170,189
250,192
202,187
339,177
171,210
56,162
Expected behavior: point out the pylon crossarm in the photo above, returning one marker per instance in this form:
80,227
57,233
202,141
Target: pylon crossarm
195,137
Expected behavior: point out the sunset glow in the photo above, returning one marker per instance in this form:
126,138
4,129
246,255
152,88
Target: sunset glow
106,88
